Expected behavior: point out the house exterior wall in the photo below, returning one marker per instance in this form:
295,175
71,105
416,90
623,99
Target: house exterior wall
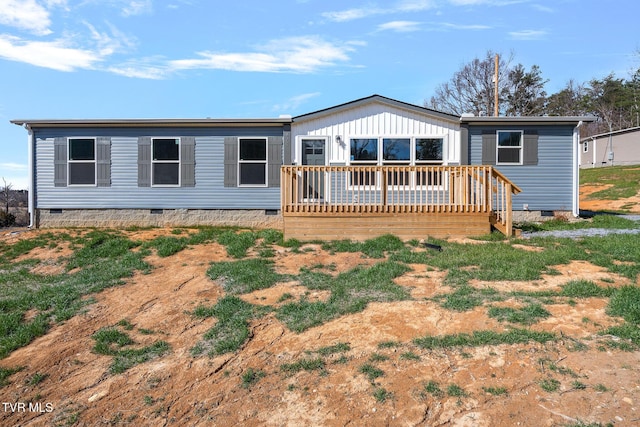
626,149
124,191
374,120
546,185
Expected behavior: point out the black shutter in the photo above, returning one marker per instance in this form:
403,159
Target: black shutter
530,149
274,159
489,148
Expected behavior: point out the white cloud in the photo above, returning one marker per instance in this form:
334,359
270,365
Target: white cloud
294,54
542,8
464,27
26,15
415,5
137,7
107,44
294,102
400,26
351,14
13,166
528,34
57,54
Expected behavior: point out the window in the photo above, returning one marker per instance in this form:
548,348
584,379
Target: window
396,151
428,151
364,151
585,147
165,162
252,161
509,148
82,161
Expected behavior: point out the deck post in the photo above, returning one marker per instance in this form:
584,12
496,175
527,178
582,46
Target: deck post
384,189
508,214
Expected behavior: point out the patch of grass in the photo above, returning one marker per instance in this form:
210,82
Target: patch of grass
527,315
377,357
36,378
496,391
101,259
168,245
373,248
598,221
625,302
251,377
626,331
389,344
601,388
244,276
5,373
454,390
554,367
409,355
285,297
125,324
316,364
109,341
127,358
482,338
549,385
433,388
112,342
381,395
351,292
625,181
577,385
585,289
340,347
232,329
464,298
371,372
237,244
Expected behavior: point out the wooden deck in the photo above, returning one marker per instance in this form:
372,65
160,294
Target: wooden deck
412,202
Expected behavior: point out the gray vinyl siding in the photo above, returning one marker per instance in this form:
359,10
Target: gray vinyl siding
546,185
208,190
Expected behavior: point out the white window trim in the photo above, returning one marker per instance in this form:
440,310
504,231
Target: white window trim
521,147
412,160
585,147
179,161
328,148
265,161
94,161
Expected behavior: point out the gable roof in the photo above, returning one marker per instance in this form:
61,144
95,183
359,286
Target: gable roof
381,100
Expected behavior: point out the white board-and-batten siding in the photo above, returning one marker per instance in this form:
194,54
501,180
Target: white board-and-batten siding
209,191
375,120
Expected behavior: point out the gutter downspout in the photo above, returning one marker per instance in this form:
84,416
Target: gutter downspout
576,170
31,180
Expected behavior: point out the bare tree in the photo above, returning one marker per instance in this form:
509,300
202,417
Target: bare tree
7,195
471,89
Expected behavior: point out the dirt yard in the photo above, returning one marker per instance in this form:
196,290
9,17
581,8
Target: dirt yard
492,385
631,204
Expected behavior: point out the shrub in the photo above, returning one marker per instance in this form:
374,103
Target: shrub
7,219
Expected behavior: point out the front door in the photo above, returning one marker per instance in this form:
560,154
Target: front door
313,154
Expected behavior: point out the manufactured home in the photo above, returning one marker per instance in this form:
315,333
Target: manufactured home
621,147
360,169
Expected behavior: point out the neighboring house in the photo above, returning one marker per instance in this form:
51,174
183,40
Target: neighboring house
373,165
621,147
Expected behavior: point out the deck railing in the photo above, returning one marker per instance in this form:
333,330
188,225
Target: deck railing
309,190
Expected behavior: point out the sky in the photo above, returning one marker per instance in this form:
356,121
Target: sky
78,59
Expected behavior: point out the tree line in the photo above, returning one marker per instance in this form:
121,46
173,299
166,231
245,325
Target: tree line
614,101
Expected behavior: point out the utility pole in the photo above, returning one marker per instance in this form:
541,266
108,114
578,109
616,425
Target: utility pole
495,88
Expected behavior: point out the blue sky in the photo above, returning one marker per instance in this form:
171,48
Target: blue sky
255,58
